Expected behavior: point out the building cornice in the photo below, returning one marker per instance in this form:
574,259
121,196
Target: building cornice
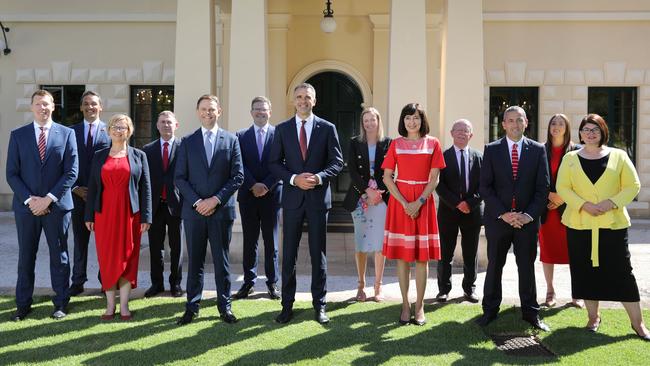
92,17
566,16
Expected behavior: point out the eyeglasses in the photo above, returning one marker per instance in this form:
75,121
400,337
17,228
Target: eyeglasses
260,109
119,128
586,131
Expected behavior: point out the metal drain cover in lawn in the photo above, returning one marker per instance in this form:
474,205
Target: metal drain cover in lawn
521,345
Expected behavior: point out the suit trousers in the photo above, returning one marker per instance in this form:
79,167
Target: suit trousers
29,228
292,230
500,236
261,214
81,239
449,223
164,224
198,231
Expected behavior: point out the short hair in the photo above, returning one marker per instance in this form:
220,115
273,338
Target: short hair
122,117
305,86
567,132
380,128
42,93
464,121
91,93
408,110
167,113
597,120
514,108
207,97
261,99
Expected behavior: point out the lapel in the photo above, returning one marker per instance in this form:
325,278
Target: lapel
52,140
196,141
268,137
81,141
470,157
523,156
293,128
131,156
454,161
172,153
505,155
157,160
365,158
101,134
217,141
315,133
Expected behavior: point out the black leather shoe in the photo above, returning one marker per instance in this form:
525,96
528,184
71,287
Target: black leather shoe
187,318
153,291
537,323
21,314
285,316
471,297
321,317
243,292
442,297
59,313
176,291
485,319
75,290
273,291
228,317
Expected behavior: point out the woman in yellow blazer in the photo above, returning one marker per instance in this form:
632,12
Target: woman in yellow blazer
597,182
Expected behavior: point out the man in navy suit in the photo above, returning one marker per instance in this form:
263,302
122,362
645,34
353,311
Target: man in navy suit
459,209
306,155
166,206
259,200
41,168
91,136
515,195
208,172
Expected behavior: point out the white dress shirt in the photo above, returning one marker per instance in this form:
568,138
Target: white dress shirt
37,132
309,124
466,154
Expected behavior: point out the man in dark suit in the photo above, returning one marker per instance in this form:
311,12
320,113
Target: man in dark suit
208,172
259,200
460,208
91,137
515,195
41,168
166,206
305,154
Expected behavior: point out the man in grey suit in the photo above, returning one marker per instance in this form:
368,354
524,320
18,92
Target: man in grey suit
208,172
41,168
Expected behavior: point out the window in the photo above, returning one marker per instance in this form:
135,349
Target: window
146,103
503,97
618,107
66,103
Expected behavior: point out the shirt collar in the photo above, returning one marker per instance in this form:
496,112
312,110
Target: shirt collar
214,130
308,120
95,122
458,148
264,128
47,126
171,141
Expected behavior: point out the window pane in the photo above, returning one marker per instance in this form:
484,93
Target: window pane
618,107
503,97
146,103
66,103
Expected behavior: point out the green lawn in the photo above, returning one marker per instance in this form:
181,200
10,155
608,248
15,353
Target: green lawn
359,334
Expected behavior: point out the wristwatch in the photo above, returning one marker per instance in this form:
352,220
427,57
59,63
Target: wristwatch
422,200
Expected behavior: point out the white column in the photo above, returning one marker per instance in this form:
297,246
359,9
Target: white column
277,41
195,59
462,93
247,66
380,24
407,66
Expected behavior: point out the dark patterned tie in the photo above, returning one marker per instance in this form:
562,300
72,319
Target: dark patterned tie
515,168
165,161
41,144
463,175
89,142
303,141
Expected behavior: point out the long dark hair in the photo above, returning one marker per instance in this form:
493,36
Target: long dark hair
566,144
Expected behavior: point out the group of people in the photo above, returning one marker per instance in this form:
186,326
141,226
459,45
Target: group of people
89,175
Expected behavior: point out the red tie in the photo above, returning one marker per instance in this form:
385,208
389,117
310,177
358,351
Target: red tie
515,167
165,161
41,144
303,141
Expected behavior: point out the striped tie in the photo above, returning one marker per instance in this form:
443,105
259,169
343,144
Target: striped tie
515,167
41,144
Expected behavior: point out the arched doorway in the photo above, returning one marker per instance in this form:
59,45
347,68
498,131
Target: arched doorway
338,100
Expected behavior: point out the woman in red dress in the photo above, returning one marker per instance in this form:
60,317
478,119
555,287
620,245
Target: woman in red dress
118,209
552,234
411,230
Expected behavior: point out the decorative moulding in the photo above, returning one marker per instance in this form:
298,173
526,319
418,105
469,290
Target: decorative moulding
574,77
647,76
594,77
79,76
120,91
97,75
152,71
115,75
93,87
61,71
614,72
24,76
644,92
168,75
552,106
579,92
554,77
644,106
548,92
29,89
634,77
575,106
133,75
496,77
515,72
219,72
535,77
117,104
43,76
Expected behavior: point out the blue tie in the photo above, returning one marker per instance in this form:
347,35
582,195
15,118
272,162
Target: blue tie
208,147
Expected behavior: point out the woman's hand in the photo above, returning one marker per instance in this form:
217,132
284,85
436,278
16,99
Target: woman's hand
90,226
412,209
373,196
606,205
555,198
144,227
592,209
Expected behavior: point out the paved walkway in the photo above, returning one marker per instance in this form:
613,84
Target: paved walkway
342,279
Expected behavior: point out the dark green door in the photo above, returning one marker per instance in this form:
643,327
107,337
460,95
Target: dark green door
338,100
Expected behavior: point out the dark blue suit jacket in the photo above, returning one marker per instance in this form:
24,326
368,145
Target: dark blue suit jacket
324,158
222,178
497,186
256,170
28,176
139,185
159,177
100,142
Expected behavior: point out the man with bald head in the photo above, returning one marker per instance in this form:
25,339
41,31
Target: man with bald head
459,209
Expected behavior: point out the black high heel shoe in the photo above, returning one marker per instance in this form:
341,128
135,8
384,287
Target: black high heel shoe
645,337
